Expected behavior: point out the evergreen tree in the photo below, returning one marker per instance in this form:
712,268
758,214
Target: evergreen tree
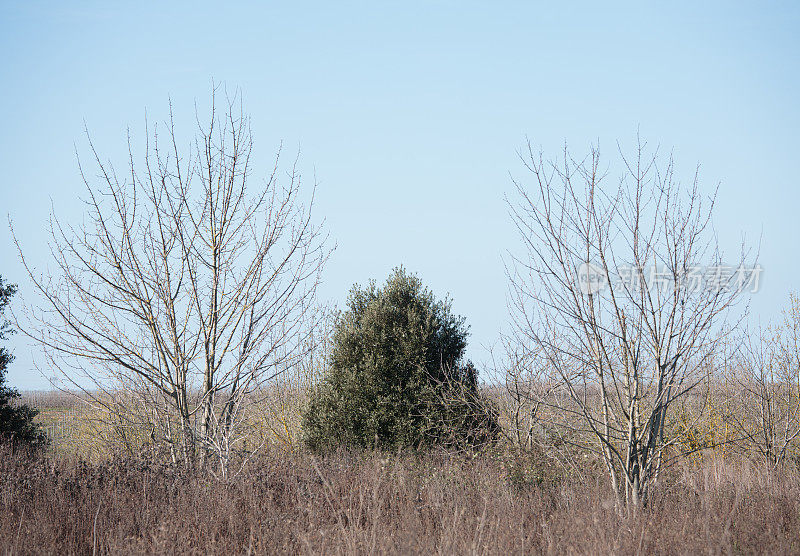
397,377
16,420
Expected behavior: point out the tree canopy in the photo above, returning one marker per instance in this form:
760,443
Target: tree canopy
16,420
397,377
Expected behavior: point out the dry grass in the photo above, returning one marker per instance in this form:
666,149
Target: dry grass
76,428
73,501
437,503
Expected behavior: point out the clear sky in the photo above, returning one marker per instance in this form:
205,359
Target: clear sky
410,114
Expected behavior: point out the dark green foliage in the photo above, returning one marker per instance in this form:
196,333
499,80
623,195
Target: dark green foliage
397,378
16,421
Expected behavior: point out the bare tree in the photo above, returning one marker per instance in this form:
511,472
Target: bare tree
515,372
187,286
609,296
767,374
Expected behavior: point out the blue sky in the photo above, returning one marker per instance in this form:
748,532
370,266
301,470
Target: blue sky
410,115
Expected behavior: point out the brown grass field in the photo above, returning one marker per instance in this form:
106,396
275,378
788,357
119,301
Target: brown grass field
77,499
349,503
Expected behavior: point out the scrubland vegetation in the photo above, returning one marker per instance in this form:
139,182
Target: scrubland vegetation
436,502
530,491
213,406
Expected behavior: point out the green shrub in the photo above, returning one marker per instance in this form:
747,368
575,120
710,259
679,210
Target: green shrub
397,378
16,421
